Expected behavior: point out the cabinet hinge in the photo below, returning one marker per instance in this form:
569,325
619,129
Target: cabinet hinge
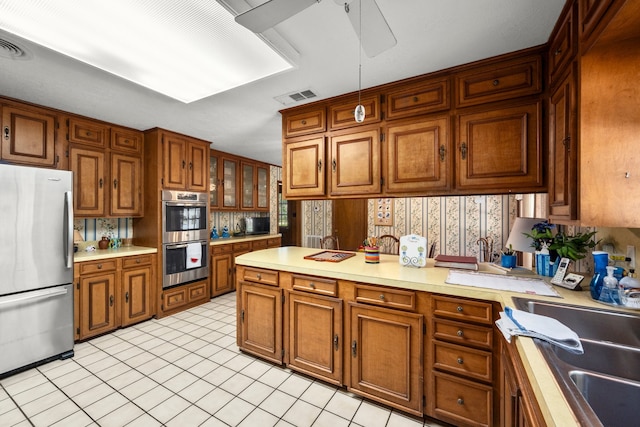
78,285
77,331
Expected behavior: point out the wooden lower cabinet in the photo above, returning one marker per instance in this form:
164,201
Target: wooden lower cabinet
386,356
314,339
112,293
259,320
182,297
518,407
221,270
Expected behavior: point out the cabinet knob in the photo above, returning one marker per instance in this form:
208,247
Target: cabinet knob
7,133
126,297
460,333
100,183
496,82
463,150
416,99
99,266
259,276
138,261
557,52
334,165
442,152
115,183
460,361
381,297
304,122
312,285
335,342
111,301
459,308
460,401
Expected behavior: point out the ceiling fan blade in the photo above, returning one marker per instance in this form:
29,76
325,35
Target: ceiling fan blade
266,15
376,35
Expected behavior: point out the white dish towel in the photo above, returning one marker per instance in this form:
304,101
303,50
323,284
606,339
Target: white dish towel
518,322
194,255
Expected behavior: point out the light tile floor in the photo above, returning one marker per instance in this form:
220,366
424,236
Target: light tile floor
182,370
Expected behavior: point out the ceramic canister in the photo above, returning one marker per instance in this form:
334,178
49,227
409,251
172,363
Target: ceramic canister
372,254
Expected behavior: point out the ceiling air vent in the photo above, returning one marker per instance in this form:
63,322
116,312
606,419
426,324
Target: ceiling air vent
290,98
10,50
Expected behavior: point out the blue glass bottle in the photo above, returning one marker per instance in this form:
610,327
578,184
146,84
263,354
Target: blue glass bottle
600,260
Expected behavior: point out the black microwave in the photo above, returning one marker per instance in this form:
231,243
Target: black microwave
255,225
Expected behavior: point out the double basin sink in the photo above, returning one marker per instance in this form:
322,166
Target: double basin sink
603,384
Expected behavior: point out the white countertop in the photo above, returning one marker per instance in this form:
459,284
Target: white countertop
432,279
226,240
99,254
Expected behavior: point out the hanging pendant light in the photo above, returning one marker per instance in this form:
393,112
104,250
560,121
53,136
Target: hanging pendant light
359,113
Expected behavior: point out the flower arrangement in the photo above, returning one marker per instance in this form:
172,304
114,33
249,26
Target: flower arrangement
541,235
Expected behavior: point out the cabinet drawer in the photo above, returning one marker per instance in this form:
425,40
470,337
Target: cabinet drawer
87,132
257,245
97,266
134,261
197,292
305,122
126,140
461,401
241,248
315,285
342,115
462,333
266,277
221,249
419,98
386,297
274,242
462,309
174,298
461,360
507,80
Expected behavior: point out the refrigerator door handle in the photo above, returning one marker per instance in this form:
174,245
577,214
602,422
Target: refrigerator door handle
44,293
68,229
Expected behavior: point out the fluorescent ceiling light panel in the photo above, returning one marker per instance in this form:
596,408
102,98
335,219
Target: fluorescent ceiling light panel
186,49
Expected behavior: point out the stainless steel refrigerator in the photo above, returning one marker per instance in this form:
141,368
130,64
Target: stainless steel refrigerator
36,266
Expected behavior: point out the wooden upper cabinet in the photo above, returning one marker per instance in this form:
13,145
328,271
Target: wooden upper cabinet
304,168
419,156
500,150
186,163
28,135
198,166
590,15
418,98
563,44
89,181
299,123
355,164
341,115
500,81
126,140
87,132
563,150
230,170
126,185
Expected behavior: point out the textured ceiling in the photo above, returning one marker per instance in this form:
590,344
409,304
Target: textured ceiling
432,35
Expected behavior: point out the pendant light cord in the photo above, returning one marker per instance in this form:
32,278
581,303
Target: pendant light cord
360,51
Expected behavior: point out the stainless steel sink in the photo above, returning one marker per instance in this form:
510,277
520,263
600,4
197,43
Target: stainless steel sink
603,384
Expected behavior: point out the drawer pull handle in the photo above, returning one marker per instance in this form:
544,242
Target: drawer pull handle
7,133
460,401
335,342
496,82
138,261
558,51
460,333
99,266
354,348
381,297
442,152
459,309
126,297
259,276
111,301
463,151
416,99
460,361
312,285
304,122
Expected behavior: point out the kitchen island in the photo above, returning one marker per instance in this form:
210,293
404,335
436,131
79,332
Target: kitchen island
343,297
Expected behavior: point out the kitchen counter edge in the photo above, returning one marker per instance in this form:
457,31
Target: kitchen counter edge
99,254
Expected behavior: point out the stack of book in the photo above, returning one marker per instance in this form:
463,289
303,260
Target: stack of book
457,261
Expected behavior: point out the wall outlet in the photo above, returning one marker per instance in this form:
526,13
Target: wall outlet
631,253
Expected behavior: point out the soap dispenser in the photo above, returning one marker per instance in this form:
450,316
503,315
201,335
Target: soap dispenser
610,293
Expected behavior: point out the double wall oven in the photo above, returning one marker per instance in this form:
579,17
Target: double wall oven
185,233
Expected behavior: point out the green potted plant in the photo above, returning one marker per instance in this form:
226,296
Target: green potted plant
508,257
573,247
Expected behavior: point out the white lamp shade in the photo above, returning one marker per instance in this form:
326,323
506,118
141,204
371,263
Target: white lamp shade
517,239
